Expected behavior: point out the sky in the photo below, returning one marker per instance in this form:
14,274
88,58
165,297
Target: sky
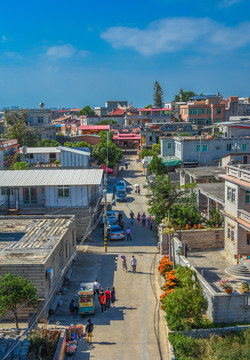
77,53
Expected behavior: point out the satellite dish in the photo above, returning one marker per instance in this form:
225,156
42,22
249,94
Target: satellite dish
41,105
24,150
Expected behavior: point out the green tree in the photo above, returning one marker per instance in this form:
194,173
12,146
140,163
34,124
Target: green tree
81,144
86,111
186,304
100,151
15,290
148,106
107,122
21,165
156,149
184,96
161,197
158,95
16,128
48,143
68,144
156,166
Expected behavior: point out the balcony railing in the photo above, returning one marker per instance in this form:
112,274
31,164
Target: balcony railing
241,172
244,215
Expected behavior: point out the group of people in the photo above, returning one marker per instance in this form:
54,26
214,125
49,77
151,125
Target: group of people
145,221
133,262
106,298
137,189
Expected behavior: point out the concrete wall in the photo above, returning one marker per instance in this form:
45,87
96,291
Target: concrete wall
71,159
165,150
221,306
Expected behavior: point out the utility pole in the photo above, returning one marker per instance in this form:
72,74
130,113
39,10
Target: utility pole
105,202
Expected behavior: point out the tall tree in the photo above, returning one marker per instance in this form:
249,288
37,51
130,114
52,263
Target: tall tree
15,290
156,166
16,128
184,95
158,95
86,110
100,151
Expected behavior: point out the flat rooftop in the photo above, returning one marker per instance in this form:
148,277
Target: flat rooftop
215,191
204,171
30,240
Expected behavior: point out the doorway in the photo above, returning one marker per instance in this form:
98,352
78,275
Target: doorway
245,159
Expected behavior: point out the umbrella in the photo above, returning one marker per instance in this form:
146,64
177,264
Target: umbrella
123,256
136,185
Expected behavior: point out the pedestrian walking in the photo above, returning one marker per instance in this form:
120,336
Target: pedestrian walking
132,215
151,224
124,263
128,231
126,165
143,219
103,301
136,189
139,190
108,296
113,296
121,223
139,217
119,216
89,330
133,263
97,288
72,307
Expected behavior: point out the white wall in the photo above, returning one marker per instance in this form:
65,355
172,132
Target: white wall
71,159
78,197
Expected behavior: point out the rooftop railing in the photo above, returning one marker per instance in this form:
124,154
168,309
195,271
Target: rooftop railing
241,172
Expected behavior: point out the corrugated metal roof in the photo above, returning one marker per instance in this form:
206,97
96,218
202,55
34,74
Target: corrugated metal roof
50,177
75,150
40,150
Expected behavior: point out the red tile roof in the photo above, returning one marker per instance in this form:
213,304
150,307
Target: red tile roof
117,111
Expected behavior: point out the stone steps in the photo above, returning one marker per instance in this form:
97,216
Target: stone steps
238,270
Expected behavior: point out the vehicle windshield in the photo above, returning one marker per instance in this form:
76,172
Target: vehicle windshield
116,228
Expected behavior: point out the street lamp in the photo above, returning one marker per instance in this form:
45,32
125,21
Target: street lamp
236,148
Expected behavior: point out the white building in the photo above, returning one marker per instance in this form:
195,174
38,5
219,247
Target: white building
52,190
40,155
74,157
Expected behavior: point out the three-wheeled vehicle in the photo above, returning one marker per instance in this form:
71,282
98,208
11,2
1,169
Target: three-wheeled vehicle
86,302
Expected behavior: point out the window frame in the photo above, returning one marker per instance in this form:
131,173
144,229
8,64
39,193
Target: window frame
205,146
63,188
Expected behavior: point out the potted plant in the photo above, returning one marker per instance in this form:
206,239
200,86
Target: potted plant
226,285
244,287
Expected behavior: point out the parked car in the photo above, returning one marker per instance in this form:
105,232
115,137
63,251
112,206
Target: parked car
111,217
115,232
120,185
121,196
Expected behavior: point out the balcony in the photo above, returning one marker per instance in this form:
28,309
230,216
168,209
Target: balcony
241,172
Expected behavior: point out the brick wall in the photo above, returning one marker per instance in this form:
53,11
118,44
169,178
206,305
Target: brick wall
196,240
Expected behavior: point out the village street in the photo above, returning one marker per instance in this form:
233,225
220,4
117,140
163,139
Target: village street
135,329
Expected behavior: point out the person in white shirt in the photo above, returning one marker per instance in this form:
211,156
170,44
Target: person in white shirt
133,263
97,287
128,231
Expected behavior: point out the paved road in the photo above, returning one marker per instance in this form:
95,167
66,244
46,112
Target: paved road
135,328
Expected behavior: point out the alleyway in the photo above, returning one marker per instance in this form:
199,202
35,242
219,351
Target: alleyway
135,329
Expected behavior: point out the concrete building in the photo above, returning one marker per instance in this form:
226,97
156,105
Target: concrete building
150,115
236,158
201,175
52,190
89,120
202,150
74,157
38,248
40,155
151,133
7,148
237,212
111,105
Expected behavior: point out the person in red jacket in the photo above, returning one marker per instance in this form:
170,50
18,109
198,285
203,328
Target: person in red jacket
108,296
103,301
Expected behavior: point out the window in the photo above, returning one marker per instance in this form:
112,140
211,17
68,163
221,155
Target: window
247,197
192,111
229,233
218,111
40,119
198,148
150,138
218,148
248,238
63,191
31,156
229,147
169,145
244,147
230,194
3,192
60,260
232,235
204,147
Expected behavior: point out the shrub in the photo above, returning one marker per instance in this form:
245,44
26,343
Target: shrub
165,265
